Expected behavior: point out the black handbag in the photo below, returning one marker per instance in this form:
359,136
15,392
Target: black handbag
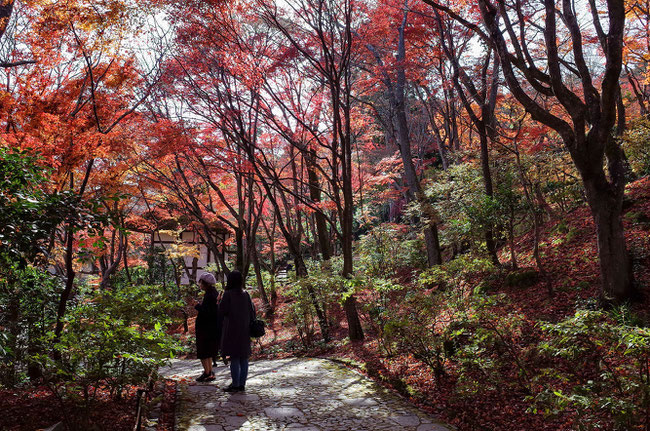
257,325
257,328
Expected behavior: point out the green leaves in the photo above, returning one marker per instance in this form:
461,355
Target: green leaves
458,195
613,377
114,337
28,214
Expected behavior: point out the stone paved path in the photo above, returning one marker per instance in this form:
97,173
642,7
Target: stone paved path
292,394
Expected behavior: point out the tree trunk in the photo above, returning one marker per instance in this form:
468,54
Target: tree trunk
615,264
239,257
434,256
489,191
274,292
125,258
398,100
315,196
511,238
355,330
414,189
541,201
110,269
268,310
177,281
69,282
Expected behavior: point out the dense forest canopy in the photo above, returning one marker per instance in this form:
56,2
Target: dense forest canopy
371,147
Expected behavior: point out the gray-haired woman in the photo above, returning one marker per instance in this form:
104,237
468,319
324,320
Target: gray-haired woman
207,326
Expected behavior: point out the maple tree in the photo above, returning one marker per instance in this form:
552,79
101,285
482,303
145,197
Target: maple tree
393,77
583,115
69,108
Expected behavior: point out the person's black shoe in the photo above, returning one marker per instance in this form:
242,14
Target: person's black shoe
202,377
231,388
209,378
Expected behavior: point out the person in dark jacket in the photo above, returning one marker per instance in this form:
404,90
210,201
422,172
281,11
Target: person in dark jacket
237,310
207,330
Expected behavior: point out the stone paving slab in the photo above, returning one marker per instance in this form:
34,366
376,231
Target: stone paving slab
292,394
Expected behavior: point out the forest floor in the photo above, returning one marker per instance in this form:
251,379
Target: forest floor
32,408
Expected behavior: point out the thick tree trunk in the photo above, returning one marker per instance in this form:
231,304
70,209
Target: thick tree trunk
239,257
615,264
274,292
398,100
125,259
414,189
355,331
434,256
111,268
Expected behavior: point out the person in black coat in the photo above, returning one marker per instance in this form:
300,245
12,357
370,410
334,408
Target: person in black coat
207,326
237,310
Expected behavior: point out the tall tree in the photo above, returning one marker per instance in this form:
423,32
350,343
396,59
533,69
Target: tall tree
585,114
483,97
396,92
322,33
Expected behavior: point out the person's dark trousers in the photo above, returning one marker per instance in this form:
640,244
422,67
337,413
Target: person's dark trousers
239,370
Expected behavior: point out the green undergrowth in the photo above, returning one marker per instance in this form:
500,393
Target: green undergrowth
590,367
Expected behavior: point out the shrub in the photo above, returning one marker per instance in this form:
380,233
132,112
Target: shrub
456,273
388,250
313,295
415,328
599,370
111,339
28,304
380,307
485,346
